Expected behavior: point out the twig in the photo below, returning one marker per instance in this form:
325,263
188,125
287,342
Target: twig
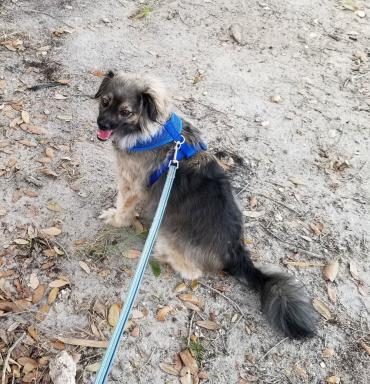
280,342
63,249
52,84
242,190
236,306
8,356
280,203
48,14
149,359
190,327
292,246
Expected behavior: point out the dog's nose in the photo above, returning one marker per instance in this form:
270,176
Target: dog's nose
104,125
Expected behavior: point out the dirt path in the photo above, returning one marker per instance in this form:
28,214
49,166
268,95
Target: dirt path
287,90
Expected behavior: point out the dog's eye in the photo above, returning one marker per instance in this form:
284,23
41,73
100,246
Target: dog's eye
125,113
105,101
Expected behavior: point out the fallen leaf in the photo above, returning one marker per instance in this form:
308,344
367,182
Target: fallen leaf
194,285
190,298
156,267
330,270
208,324
30,377
180,288
52,231
113,314
303,264
53,294
25,117
253,201
132,254
138,226
28,364
189,361
84,342
84,266
328,352
366,348
353,270
39,293
322,308
32,332
3,211
254,214
55,207
35,129
332,380
296,180
168,368
141,13
186,378
93,367
58,283
49,152
28,143
97,73
48,172
59,96
21,241
30,193
135,332
9,306
317,228
34,281
163,312
42,312
332,293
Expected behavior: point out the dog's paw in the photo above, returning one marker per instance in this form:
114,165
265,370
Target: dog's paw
112,217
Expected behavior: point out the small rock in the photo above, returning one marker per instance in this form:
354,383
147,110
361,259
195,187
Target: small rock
275,98
360,13
236,33
63,369
265,123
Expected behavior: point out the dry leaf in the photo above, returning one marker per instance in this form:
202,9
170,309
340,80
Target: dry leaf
25,117
190,298
296,180
39,293
253,214
113,314
52,231
30,377
48,172
317,228
21,241
84,266
28,143
55,207
322,308
332,293
3,211
189,361
49,152
186,378
328,352
138,226
168,368
366,348
34,281
330,270
180,288
35,129
194,285
303,264
163,312
59,96
97,73
132,254
353,270
93,367
332,380
53,294
28,364
135,332
58,283
208,324
84,342
41,314
30,193
253,201
32,332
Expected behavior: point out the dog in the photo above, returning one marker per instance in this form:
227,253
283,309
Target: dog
202,229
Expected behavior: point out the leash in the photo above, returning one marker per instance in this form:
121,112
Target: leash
114,343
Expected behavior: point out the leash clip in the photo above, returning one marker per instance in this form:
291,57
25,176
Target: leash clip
178,145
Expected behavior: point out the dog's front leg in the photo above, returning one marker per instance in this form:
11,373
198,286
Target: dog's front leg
127,200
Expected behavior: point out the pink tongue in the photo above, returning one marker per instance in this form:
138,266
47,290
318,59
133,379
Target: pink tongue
104,135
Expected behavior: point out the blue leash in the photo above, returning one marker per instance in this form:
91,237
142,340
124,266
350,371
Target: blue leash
111,351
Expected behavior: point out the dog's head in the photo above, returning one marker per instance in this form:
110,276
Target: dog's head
131,108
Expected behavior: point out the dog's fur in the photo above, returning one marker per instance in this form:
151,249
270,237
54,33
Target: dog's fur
202,230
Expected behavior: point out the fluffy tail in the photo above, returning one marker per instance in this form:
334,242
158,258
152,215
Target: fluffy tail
284,301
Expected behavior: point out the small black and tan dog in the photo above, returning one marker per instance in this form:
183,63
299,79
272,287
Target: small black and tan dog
202,230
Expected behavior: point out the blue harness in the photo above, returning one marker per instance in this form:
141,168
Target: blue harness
171,132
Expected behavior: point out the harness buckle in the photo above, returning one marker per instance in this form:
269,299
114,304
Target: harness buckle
178,145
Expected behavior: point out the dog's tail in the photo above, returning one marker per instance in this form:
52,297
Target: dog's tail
284,301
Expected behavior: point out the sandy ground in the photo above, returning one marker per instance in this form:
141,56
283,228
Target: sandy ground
287,90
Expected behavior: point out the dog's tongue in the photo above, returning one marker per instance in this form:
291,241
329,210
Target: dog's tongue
104,135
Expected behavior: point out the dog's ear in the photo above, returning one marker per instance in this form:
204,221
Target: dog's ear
104,83
150,104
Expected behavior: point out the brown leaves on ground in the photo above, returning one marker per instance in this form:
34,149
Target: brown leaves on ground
189,361
322,309
330,270
163,312
113,314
